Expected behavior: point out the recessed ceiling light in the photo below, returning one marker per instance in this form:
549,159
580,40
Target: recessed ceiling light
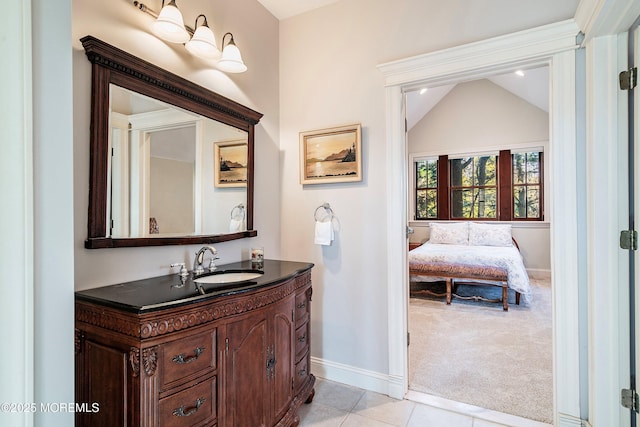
520,73
423,91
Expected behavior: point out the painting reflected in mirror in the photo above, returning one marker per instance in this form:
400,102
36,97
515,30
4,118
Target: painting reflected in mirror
230,163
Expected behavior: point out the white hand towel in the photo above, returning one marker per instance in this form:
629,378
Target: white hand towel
324,233
236,225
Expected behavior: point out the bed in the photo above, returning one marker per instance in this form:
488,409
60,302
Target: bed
471,253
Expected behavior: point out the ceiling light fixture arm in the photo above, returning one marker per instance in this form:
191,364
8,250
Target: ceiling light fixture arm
204,22
146,9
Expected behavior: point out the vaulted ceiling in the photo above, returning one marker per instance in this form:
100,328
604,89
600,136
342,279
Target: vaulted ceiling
533,87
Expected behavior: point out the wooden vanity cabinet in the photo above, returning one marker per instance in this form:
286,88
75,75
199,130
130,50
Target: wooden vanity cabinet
258,393
238,360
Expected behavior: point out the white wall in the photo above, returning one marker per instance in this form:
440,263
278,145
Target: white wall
169,180
16,224
478,116
329,78
53,209
122,25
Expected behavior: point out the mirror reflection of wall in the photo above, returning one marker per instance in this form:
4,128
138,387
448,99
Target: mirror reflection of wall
162,170
171,181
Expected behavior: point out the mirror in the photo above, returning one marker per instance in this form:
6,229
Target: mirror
171,162
163,174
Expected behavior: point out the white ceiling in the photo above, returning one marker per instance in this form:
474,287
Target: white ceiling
283,9
533,87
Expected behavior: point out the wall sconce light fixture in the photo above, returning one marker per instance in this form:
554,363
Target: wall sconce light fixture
199,41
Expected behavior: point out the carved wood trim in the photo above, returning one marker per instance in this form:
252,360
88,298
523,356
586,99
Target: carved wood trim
303,280
166,324
301,397
117,60
150,360
78,341
134,360
108,320
162,326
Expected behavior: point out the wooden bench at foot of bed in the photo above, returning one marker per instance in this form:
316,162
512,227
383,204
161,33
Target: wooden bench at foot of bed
456,274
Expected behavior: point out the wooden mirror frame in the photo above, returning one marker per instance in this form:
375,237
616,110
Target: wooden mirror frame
111,65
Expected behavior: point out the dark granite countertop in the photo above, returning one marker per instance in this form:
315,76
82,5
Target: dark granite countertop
156,293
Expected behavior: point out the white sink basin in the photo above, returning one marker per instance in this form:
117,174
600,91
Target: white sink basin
228,277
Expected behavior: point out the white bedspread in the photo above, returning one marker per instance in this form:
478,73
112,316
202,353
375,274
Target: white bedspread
507,257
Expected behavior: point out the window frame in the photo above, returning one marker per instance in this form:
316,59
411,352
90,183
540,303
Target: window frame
416,189
504,185
451,187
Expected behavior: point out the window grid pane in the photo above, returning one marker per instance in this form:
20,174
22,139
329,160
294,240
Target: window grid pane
426,189
474,187
527,181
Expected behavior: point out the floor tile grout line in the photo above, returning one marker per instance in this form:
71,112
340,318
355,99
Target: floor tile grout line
415,405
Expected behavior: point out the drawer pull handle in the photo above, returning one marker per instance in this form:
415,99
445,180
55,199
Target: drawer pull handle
182,360
302,305
185,412
302,338
302,372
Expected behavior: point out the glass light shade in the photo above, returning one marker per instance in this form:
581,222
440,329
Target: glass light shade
231,61
169,25
203,43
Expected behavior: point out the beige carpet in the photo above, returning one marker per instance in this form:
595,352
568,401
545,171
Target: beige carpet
474,352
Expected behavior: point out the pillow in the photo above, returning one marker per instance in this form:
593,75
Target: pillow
490,234
456,233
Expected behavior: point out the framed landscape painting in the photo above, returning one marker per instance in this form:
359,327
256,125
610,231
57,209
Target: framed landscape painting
331,155
230,164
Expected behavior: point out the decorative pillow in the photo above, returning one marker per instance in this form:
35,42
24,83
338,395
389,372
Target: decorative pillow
456,233
490,234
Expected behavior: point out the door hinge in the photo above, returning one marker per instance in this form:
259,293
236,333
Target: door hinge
629,240
408,339
629,399
226,346
629,79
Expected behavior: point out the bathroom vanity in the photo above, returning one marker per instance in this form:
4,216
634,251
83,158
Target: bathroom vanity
168,351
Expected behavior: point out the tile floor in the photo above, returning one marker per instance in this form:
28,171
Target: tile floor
339,405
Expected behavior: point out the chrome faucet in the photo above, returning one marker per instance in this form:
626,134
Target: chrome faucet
199,259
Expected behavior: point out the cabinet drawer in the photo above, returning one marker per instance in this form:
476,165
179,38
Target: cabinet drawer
302,372
193,406
302,308
302,340
187,358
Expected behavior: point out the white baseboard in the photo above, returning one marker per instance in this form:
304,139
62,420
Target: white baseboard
565,420
356,377
539,273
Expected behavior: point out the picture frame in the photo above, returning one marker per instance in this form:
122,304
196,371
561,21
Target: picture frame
331,155
230,160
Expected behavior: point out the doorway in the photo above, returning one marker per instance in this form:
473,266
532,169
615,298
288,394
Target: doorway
553,46
470,351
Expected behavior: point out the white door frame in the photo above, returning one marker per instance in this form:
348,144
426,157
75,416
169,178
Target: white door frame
553,45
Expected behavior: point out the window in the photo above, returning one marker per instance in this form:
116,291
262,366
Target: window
505,186
426,189
527,188
473,187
